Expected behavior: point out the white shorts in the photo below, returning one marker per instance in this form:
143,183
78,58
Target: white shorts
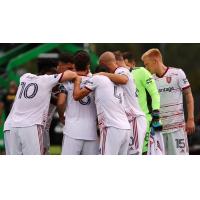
138,132
114,141
24,141
71,146
176,143
156,144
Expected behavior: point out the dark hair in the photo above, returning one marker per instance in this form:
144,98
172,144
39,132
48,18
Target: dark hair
46,65
129,56
118,55
81,60
66,58
101,68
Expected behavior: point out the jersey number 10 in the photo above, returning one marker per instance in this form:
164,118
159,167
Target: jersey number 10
25,88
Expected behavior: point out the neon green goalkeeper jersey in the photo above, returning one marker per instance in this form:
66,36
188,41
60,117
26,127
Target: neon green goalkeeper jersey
145,83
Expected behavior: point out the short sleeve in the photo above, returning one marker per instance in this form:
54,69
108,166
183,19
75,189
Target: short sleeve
182,80
122,71
52,80
92,83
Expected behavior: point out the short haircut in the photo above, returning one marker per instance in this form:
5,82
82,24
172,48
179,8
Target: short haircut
129,56
154,53
118,55
66,58
101,68
46,65
81,60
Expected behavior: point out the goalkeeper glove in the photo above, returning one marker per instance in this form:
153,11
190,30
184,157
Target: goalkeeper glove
155,123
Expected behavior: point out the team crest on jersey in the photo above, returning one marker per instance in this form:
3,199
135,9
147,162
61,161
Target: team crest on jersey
168,79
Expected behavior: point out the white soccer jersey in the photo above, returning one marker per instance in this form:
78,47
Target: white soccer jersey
80,116
170,87
109,102
32,101
130,94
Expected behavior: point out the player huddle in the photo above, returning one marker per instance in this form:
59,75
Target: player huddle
113,102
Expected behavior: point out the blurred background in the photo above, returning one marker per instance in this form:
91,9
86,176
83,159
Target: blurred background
19,58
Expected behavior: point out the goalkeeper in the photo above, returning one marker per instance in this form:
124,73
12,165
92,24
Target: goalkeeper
146,87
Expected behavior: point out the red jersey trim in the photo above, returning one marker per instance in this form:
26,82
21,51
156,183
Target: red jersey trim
88,89
61,77
163,74
186,87
116,69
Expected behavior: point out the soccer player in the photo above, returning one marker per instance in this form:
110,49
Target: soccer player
80,132
171,83
146,87
23,129
113,123
121,75
65,63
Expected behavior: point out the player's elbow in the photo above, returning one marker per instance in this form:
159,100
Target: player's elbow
123,81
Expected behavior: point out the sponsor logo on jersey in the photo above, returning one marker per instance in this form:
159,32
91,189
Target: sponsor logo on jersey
169,89
168,79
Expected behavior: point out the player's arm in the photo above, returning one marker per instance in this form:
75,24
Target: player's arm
149,83
185,87
61,105
116,78
79,93
190,125
68,76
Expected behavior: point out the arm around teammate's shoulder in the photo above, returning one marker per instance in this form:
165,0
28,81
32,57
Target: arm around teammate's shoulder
79,93
68,76
116,78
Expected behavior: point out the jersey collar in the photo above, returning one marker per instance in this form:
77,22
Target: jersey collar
163,73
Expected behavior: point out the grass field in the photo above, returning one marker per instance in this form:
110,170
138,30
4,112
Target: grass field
55,150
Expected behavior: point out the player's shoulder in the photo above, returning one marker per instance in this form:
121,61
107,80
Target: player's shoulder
27,76
121,69
175,71
140,70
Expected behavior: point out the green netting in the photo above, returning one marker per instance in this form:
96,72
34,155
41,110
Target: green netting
29,55
35,52
14,52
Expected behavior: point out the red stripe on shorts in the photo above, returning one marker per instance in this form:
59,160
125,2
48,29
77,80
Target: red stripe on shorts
40,137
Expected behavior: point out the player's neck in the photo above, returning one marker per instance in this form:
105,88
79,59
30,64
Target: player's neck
162,69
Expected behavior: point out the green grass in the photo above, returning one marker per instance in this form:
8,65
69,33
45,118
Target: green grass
55,150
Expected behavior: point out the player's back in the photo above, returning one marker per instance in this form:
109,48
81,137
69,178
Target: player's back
109,102
32,100
80,118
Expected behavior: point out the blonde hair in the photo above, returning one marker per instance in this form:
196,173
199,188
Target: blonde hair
153,53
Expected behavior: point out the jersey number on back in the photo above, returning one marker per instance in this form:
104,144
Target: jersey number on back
25,88
117,95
